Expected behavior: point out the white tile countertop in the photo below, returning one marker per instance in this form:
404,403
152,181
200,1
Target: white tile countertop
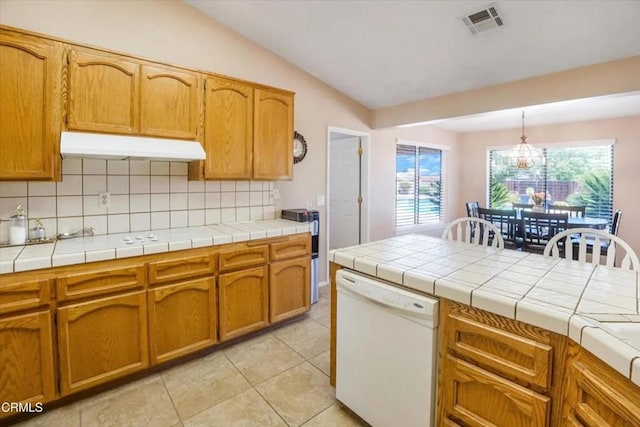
113,246
596,306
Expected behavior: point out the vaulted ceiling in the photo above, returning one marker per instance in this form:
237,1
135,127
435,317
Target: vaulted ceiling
384,53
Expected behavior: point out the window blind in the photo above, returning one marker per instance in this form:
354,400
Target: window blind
572,175
419,185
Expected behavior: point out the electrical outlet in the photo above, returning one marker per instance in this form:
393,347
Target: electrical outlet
104,200
275,194
320,200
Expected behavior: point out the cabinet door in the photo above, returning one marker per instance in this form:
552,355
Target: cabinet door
182,318
273,135
289,288
243,302
479,398
228,129
26,359
30,107
103,93
102,340
170,102
598,396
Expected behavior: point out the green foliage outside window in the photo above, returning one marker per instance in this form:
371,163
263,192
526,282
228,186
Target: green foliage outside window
594,193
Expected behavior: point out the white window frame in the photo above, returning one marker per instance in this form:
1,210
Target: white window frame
607,142
444,176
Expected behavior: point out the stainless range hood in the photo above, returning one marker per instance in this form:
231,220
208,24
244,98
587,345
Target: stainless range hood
103,146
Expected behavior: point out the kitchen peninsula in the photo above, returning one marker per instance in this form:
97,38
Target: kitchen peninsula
524,339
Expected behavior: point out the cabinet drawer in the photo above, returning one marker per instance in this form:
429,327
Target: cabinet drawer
24,295
290,247
181,268
243,255
479,398
99,282
500,351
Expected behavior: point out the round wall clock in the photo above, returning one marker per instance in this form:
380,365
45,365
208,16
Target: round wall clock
299,147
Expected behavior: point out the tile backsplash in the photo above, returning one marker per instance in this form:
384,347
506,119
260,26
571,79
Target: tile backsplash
144,195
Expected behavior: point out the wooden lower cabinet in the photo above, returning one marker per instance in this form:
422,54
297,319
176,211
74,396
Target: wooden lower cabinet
26,359
243,302
289,289
101,340
475,397
597,395
497,371
182,318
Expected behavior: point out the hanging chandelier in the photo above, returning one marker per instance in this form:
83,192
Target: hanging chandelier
524,155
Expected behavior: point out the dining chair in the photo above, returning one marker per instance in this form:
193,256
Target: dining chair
475,231
604,245
472,209
540,227
614,243
507,221
573,211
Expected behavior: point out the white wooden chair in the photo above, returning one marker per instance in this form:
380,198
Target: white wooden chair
581,238
475,231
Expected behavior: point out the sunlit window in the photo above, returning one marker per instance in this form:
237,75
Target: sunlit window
419,185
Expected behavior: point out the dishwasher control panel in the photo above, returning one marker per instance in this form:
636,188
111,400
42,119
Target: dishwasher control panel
387,294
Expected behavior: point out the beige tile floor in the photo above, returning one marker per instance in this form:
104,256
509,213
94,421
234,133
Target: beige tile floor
278,378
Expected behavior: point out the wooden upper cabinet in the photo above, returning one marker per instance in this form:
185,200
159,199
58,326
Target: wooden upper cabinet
273,135
228,129
170,102
103,92
30,107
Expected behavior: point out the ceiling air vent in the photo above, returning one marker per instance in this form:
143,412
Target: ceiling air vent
485,19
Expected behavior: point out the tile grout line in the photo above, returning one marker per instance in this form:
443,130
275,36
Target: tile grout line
175,408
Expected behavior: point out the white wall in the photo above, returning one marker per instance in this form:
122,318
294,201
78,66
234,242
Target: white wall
174,32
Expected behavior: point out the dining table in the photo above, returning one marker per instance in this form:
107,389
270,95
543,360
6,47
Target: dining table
582,222
587,222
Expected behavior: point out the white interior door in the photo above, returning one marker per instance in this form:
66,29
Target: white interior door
345,214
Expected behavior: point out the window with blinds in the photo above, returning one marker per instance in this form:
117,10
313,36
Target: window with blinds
573,175
419,185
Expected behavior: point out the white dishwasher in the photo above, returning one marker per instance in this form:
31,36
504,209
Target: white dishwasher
386,352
